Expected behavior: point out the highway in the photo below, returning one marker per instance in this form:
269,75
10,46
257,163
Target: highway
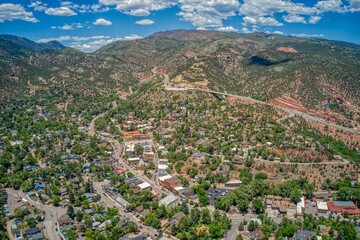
290,111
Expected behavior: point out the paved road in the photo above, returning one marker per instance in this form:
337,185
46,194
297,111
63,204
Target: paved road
9,230
232,234
290,111
112,203
286,117
118,149
51,214
344,162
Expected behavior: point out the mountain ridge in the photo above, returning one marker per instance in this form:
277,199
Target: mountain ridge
260,65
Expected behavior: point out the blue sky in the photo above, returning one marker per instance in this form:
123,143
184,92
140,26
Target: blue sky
90,24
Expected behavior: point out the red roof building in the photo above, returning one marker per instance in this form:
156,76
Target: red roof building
342,207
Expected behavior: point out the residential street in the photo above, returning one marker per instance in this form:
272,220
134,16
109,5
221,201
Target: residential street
112,203
51,214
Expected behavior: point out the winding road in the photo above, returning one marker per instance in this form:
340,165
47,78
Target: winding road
51,214
290,111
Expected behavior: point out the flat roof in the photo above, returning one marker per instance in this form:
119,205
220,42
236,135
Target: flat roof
168,200
163,178
234,181
178,188
144,185
163,166
343,203
322,205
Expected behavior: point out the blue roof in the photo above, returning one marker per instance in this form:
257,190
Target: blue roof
343,203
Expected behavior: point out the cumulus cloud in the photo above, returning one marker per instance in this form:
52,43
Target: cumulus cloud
207,13
139,7
198,12
329,6
38,6
60,11
132,37
10,12
278,32
305,35
71,26
314,19
88,43
145,22
261,21
102,22
227,29
294,19
354,6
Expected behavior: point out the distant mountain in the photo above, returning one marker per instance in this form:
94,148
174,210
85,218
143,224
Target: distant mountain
31,45
264,66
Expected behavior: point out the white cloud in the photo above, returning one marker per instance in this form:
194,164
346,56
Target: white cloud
132,37
88,43
68,38
137,12
314,19
38,6
294,19
354,6
92,46
71,26
261,21
145,22
329,6
199,13
246,30
60,11
305,35
207,13
10,12
278,32
102,22
139,7
227,29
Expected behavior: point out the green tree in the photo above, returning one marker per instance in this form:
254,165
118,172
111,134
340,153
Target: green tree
70,212
258,205
56,200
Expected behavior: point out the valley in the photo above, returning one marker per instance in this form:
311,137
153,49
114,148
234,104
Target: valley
180,135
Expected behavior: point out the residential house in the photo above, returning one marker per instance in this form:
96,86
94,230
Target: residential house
300,206
324,196
39,187
32,231
338,207
304,235
257,235
64,220
322,207
169,201
233,183
122,201
279,203
171,183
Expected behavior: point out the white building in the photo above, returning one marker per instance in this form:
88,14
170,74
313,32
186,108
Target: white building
169,201
322,207
144,185
300,206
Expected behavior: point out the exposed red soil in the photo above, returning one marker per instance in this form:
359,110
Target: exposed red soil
290,103
287,49
352,140
159,70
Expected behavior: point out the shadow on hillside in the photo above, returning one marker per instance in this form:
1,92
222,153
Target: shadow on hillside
256,60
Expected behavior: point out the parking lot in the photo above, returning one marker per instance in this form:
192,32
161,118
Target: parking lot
214,193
